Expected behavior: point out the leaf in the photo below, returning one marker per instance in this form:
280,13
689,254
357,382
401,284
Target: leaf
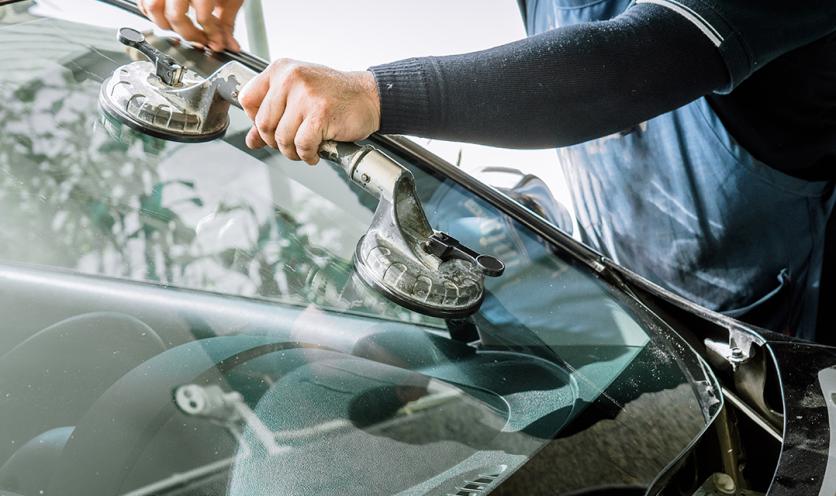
194,200
27,93
113,146
182,182
101,216
264,231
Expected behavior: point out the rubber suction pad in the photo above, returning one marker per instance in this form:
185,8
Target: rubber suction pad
454,289
134,96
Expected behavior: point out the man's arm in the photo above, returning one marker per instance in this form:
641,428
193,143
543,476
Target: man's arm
561,87
558,88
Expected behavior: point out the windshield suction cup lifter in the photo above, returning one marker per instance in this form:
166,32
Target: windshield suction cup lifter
162,98
400,255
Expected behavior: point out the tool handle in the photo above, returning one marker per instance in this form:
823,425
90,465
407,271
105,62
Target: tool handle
345,154
447,247
166,67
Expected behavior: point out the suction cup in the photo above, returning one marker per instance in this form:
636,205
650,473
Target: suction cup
136,97
454,289
404,259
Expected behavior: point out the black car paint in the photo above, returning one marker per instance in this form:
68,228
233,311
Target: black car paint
806,449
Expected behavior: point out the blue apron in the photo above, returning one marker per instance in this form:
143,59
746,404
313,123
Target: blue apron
678,201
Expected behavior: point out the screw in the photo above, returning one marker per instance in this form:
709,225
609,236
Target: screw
724,483
736,357
364,177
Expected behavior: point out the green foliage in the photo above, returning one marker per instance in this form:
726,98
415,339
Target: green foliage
71,192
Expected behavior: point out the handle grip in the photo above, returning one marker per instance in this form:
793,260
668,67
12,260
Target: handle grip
166,67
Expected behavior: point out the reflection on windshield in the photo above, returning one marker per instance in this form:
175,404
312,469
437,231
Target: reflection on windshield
199,216
282,373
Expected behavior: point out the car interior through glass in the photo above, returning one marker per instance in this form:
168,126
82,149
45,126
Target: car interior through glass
186,319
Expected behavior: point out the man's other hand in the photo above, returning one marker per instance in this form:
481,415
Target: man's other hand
296,106
216,19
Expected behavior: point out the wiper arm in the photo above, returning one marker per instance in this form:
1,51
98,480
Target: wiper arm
185,479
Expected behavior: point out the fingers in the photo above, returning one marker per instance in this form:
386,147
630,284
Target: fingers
264,99
251,97
176,12
216,19
296,106
269,114
308,139
211,25
253,139
155,10
285,137
295,137
229,41
253,93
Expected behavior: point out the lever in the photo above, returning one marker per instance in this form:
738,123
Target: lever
166,67
447,247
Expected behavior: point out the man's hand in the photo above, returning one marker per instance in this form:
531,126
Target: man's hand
296,106
216,19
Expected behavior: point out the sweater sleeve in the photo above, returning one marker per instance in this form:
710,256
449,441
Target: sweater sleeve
557,88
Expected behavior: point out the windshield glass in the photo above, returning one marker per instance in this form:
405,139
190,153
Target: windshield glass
185,318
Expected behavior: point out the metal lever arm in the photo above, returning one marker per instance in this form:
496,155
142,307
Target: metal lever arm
446,247
166,67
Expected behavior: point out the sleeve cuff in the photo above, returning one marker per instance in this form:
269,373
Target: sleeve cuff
404,90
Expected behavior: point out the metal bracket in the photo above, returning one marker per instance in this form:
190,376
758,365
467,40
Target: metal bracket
738,350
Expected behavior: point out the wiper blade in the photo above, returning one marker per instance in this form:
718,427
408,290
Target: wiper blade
185,479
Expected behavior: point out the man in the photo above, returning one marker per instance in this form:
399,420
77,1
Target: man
699,136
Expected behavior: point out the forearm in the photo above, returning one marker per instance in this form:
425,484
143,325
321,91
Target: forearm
558,88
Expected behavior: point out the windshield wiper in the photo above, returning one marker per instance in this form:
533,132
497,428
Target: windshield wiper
186,479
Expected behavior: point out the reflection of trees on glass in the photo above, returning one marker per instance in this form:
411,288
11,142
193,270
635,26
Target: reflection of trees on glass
11,12
279,258
74,196
79,197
